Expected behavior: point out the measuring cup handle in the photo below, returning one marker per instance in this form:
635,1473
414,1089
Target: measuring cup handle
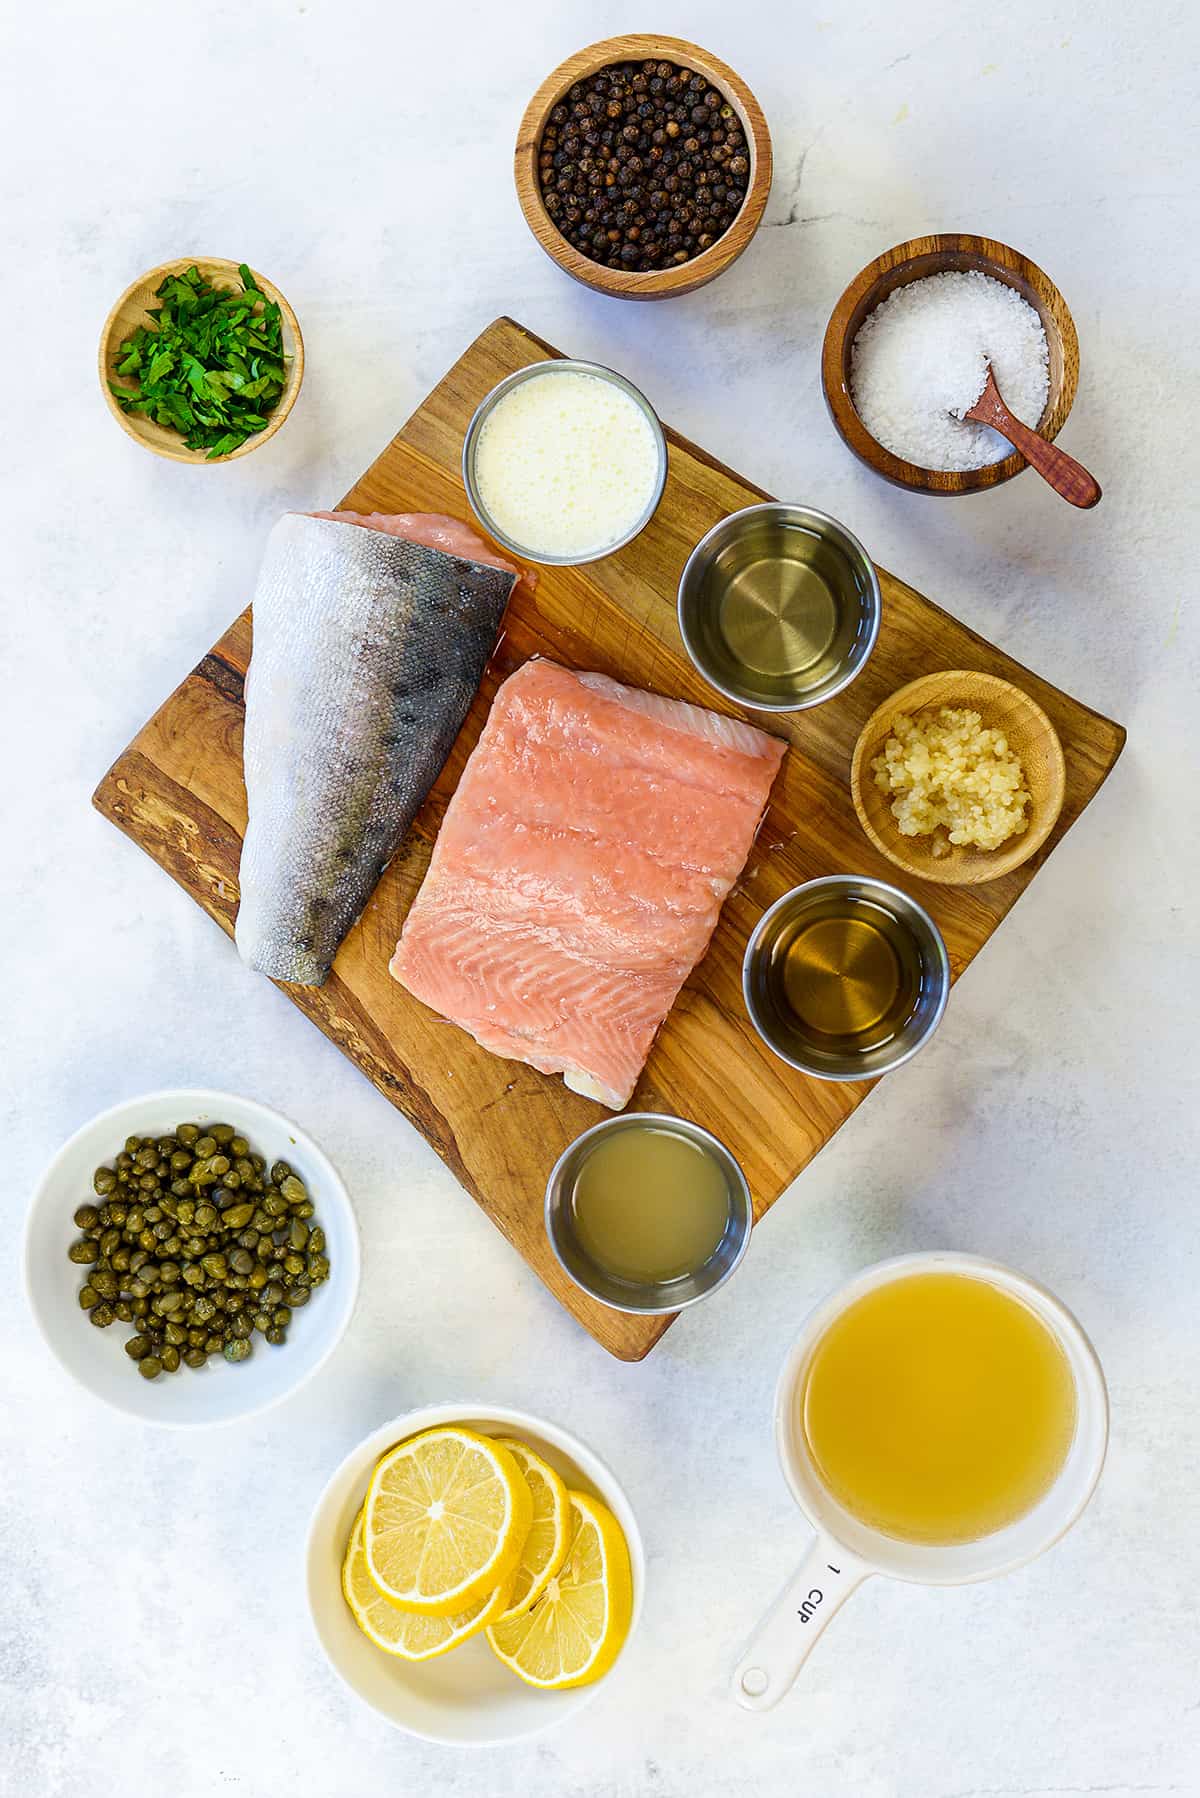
783,1640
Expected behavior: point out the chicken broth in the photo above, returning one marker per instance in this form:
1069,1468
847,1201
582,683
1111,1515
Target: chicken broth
938,1408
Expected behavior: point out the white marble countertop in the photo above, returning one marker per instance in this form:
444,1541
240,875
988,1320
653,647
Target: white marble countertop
153,1634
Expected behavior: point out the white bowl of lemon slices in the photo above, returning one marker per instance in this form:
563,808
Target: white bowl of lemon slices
473,1573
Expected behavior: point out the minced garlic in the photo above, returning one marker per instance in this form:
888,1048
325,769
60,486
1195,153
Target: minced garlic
952,774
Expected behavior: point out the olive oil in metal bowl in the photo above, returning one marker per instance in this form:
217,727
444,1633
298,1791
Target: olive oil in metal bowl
648,1213
846,977
779,607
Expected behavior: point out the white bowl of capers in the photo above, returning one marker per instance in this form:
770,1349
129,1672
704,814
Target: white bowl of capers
191,1257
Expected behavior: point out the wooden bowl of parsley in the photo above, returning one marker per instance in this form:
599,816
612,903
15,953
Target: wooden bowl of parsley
201,360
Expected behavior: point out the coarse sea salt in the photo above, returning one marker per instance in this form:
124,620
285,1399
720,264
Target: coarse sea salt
920,359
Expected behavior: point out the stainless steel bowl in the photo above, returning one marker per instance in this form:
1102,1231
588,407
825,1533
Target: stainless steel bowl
779,607
650,1298
559,366
805,1049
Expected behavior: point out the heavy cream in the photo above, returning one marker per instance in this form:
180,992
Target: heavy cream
566,464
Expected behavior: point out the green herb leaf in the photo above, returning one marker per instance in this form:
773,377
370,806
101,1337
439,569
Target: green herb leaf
209,364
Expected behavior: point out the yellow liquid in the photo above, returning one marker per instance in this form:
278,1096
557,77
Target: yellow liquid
649,1205
938,1408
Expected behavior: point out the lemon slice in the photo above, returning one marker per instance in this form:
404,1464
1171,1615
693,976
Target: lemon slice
574,1631
445,1520
549,1534
407,1633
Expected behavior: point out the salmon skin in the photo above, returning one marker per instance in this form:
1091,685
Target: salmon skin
369,647
580,870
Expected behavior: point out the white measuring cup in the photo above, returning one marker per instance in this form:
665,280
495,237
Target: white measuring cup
846,1551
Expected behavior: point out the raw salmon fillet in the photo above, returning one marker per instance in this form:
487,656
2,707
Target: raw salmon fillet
580,870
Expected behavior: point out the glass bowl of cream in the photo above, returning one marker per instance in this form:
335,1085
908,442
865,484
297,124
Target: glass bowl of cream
564,462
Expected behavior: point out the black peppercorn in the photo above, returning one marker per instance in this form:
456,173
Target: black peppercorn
641,164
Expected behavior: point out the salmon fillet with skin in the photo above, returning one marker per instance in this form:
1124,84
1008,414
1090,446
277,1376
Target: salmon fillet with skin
580,870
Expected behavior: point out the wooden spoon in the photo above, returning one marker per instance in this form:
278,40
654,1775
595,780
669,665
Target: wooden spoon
1067,476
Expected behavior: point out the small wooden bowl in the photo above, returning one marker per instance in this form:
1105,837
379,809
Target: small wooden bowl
1031,736
913,261
130,312
656,284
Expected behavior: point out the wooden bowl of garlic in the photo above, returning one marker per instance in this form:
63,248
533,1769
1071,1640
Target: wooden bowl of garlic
958,778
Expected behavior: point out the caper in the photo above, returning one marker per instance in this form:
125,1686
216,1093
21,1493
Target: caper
193,1247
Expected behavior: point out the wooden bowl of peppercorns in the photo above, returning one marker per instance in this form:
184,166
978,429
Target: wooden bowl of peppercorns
643,166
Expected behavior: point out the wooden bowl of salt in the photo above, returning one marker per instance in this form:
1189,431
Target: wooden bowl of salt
914,261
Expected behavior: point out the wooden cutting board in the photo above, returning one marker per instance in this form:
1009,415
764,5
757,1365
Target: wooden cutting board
499,1126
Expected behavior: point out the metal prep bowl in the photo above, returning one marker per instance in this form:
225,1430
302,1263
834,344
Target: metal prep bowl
934,988
779,607
558,366
647,1299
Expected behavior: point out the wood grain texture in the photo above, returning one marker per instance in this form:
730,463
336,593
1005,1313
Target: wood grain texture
1069,478
1001,706
500,1126
655,284
130,311
913,261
